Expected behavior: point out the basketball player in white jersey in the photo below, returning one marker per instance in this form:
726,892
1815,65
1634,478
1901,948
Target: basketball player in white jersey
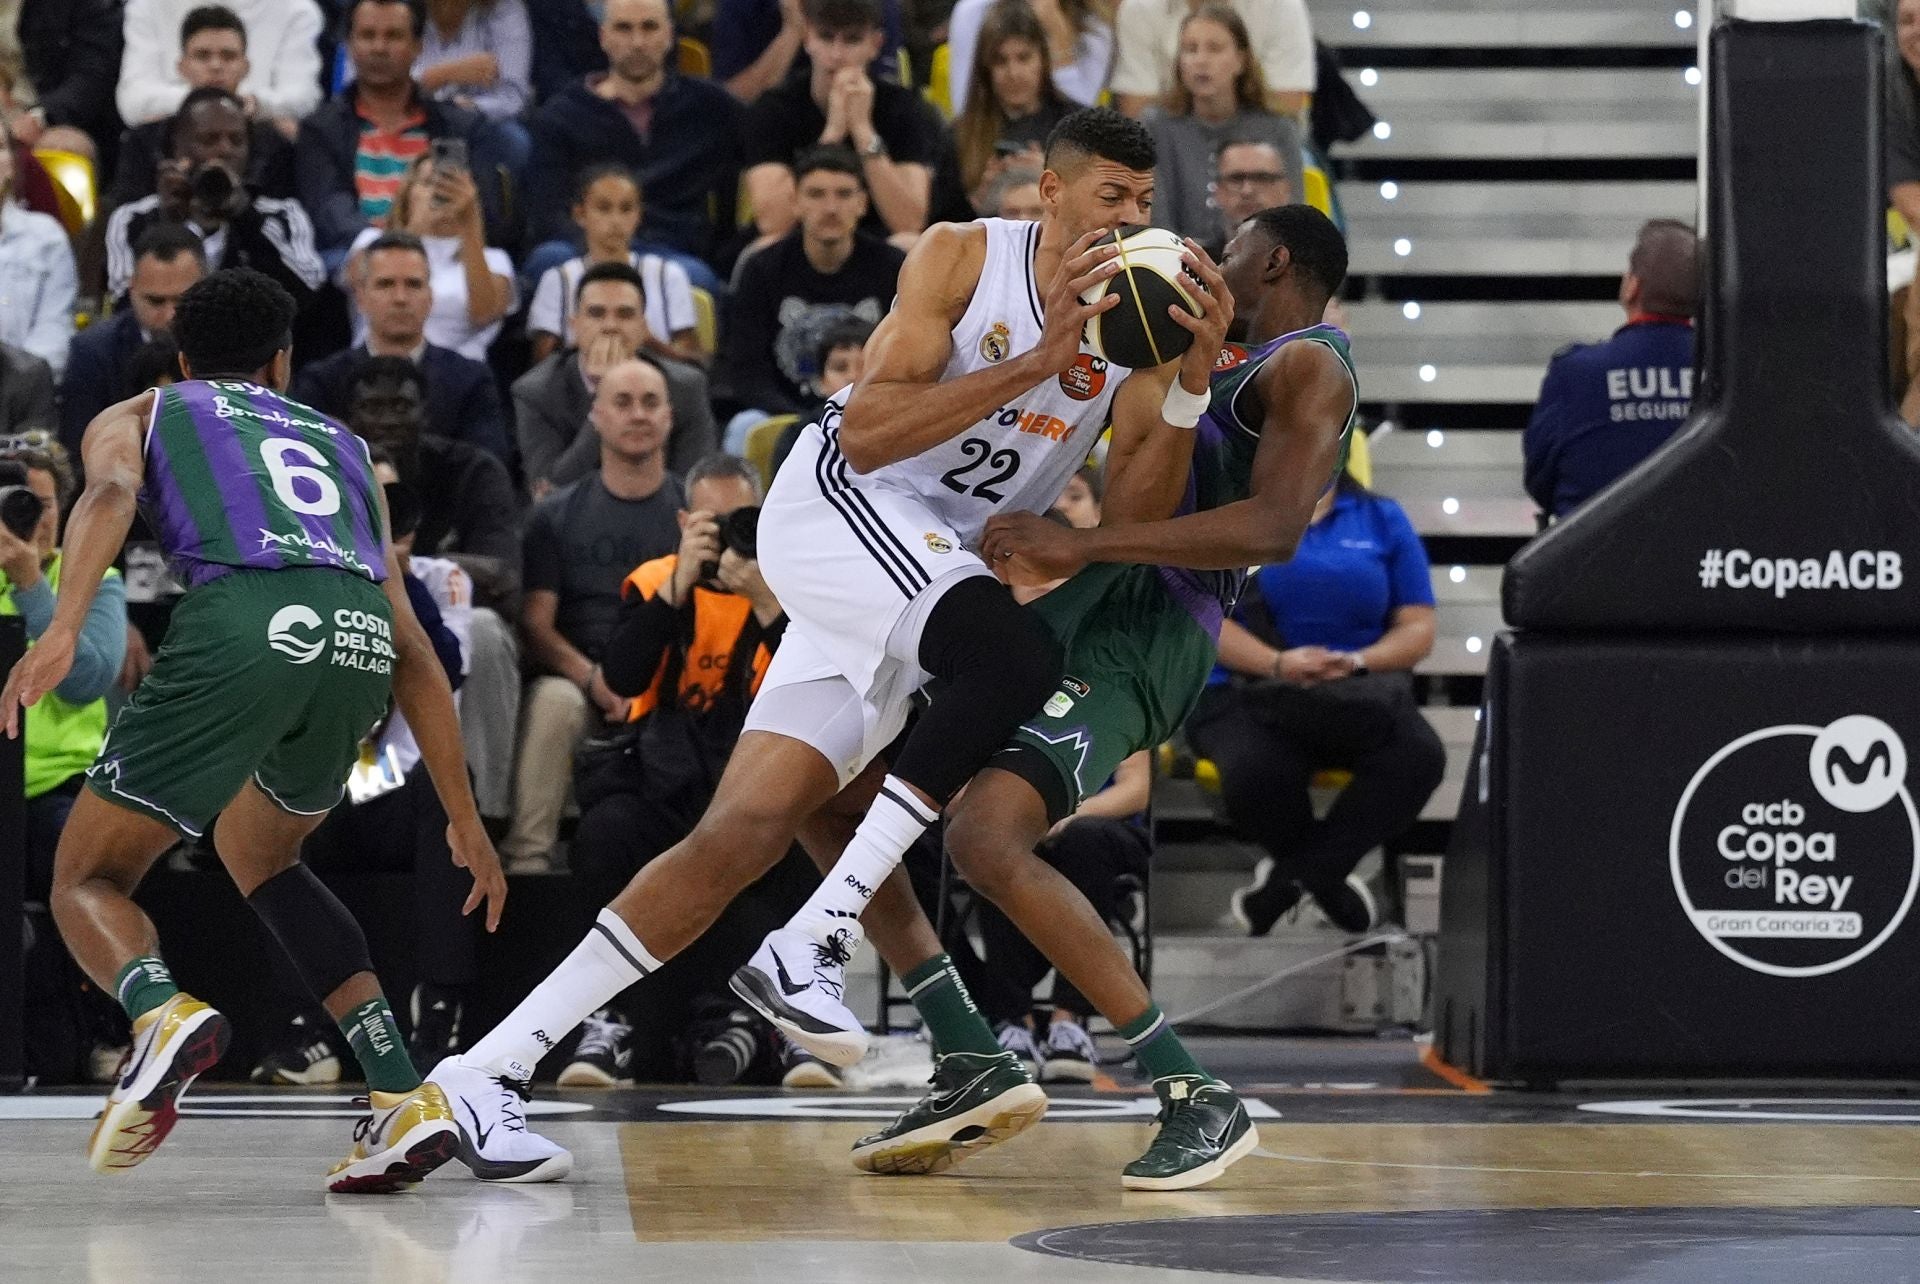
977,398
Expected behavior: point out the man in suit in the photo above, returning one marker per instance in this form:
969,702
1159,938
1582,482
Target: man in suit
166,260
551,401
394,295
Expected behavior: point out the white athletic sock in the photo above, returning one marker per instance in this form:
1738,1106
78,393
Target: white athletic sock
607,962
891,825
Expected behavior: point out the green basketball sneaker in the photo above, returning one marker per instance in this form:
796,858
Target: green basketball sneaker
973,1101
1204,1130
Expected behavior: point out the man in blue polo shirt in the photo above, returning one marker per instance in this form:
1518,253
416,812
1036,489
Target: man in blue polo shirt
1606,406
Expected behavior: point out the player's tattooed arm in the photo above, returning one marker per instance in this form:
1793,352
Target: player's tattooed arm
901,407
113,452
1306,396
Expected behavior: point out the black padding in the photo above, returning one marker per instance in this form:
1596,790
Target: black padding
1793,450
319,934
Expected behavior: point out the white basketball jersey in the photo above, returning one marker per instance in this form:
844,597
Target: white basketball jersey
1020,456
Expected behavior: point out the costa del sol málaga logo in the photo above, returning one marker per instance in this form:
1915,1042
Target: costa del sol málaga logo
282,638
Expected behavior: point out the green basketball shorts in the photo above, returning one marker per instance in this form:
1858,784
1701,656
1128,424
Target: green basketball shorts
273,676
1136,663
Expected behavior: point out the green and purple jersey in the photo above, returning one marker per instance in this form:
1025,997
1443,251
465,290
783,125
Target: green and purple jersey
239,477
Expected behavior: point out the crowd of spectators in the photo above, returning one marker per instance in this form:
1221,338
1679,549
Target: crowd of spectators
550,257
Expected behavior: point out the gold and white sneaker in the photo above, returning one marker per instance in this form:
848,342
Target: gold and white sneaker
407,1136
174,1043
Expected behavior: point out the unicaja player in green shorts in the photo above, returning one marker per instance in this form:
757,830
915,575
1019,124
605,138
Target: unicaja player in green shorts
294,633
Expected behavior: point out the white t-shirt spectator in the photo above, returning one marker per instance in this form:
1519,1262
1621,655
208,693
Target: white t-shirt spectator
283,57
37,285
669,294
447,324
1148,35
1080,81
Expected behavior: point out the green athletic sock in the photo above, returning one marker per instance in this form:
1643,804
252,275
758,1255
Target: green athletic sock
948,1010
1160,1051
375,1038
144,985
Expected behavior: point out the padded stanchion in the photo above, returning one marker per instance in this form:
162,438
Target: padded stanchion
13,875
1687,845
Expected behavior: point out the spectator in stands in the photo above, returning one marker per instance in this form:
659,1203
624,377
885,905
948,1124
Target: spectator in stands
391,821
479,54
213,55
394,293
834,100
472,283
1249,175
65,730
840,358
202,184
1903,113
1079,43
1606,406
1016,195
266,51
552,402
607,208
38,280
26,393
566,45
58,63
1147,33
791,291
354,148
469,515
166,260
582,542
697,629
679,136
757,42
1314,674
1218,94
1013,103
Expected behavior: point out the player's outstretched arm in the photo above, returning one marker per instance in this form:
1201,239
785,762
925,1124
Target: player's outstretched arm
420,689
900,408
1149,459
1307,395
97,529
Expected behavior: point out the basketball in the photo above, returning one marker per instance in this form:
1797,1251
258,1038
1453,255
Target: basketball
1138,333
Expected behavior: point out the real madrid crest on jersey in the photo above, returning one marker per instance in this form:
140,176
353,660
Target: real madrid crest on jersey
996,345
1084,379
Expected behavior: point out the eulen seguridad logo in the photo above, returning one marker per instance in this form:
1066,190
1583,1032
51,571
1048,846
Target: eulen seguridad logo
1795,850
284,633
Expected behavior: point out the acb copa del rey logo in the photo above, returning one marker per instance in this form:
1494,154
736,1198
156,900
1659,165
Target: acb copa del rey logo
1796,849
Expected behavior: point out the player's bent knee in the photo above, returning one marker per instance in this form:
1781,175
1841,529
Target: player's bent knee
985,854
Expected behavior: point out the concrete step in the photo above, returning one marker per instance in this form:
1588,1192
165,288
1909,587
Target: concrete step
1414,134
1505,95
1364,24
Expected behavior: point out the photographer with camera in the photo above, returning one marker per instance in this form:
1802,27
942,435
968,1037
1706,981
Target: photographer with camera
202,183
64,733
697,630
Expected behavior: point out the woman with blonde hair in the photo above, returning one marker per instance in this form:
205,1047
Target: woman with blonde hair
1219,95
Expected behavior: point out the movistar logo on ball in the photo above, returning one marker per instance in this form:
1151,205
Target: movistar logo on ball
284,636
1795,850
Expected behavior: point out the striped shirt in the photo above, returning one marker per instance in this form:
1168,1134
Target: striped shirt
284,227
381,161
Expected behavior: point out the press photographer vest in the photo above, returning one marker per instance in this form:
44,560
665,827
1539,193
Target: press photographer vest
62,739
718,621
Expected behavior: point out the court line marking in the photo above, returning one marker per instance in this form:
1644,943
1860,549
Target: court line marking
1262,1152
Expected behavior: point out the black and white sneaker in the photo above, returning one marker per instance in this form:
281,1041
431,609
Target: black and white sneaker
436,1024
604,1058
1348,905
1259,905
1068,1055
799,983
1018,1040
801,1069
310,1055
494,1142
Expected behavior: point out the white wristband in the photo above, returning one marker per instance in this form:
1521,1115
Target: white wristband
1183,409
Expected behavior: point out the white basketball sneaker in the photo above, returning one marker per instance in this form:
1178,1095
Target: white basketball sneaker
494,1141
800,984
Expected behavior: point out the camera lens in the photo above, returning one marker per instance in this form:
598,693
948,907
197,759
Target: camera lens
740,531
212,185
20,510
